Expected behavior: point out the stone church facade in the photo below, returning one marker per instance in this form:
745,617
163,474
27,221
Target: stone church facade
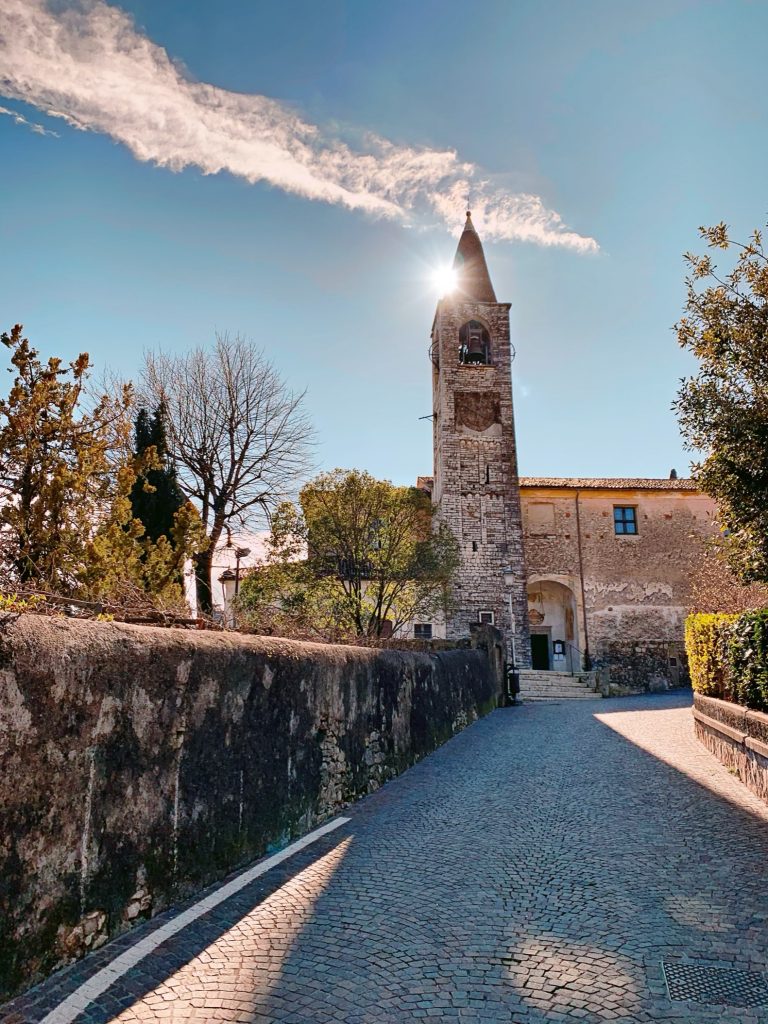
577,572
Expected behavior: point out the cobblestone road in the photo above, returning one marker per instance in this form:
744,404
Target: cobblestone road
537,868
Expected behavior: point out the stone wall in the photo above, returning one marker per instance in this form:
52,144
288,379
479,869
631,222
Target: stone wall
631,667
139,764
737,737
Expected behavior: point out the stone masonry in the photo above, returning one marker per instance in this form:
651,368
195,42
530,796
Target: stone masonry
537,869
590,595
626,596
475,460
138,765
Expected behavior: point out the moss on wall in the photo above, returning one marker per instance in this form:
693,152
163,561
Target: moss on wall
140,764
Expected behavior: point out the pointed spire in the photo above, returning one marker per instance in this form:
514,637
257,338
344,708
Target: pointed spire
472,270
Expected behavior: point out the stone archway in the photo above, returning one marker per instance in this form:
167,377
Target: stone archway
553,613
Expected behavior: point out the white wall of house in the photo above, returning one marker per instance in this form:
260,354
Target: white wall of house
226,558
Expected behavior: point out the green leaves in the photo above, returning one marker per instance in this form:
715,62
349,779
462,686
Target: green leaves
54,465
728,656
723,409
359,558
66,519
155,496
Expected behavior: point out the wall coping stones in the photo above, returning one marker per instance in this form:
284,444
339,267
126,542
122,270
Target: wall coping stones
720,727
736,737
757,746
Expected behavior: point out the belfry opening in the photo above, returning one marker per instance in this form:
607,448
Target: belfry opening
474,343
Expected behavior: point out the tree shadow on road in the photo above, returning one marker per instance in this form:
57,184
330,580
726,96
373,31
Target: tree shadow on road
542,863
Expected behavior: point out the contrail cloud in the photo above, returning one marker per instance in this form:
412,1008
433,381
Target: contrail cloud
87,63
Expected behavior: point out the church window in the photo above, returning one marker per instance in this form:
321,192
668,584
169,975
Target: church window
624,520
487,618
474,343
422,631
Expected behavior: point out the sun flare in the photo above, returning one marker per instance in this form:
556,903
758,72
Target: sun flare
444,279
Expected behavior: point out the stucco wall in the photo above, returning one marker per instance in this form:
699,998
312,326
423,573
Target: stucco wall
636,589
138,764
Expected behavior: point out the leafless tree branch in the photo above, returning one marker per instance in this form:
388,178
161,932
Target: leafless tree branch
239,436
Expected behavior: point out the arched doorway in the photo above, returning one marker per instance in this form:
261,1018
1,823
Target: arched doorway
552,613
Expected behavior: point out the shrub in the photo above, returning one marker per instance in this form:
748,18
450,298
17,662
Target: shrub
747,652
706,643
728,656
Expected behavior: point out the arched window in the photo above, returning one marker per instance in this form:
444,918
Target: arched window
474,343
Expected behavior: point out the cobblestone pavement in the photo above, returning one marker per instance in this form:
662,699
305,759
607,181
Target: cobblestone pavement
537,868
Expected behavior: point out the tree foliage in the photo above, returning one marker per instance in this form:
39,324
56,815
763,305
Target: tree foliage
55,465
122,564
723,409
156,496
358,558
66,521
237,434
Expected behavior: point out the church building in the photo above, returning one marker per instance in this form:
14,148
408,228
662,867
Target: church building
580,574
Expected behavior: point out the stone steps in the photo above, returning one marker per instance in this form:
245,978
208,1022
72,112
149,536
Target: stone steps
554,695
538,685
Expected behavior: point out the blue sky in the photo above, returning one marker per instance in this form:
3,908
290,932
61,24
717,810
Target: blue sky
633,123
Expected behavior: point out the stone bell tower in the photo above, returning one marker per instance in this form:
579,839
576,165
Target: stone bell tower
476,484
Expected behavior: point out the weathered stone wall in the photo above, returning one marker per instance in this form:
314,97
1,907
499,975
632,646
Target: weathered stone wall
138,764
630,667
737,737
475,470
636,589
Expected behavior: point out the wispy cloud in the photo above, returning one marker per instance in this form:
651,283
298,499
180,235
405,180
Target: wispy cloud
18,118
87,63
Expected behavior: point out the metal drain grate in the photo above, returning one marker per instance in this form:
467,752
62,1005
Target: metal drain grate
715,985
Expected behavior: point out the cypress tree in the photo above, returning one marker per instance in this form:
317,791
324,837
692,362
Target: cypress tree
156,496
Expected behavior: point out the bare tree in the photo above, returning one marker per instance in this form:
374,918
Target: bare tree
238,435
715,586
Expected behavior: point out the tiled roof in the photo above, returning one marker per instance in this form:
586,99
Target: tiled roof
616,483
609,483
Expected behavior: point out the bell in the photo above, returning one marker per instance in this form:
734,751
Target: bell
475,346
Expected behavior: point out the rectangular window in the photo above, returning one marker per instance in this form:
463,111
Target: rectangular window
422,631
624,519
487,618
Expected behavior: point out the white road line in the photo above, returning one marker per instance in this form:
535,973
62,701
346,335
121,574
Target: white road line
74,1004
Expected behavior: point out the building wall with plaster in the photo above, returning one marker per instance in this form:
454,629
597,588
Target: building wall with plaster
628,594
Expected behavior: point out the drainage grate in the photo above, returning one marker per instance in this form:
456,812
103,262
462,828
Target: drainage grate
715,985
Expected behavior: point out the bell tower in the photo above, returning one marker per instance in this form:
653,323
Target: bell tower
476,485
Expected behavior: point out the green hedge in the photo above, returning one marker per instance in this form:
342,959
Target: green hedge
728,656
